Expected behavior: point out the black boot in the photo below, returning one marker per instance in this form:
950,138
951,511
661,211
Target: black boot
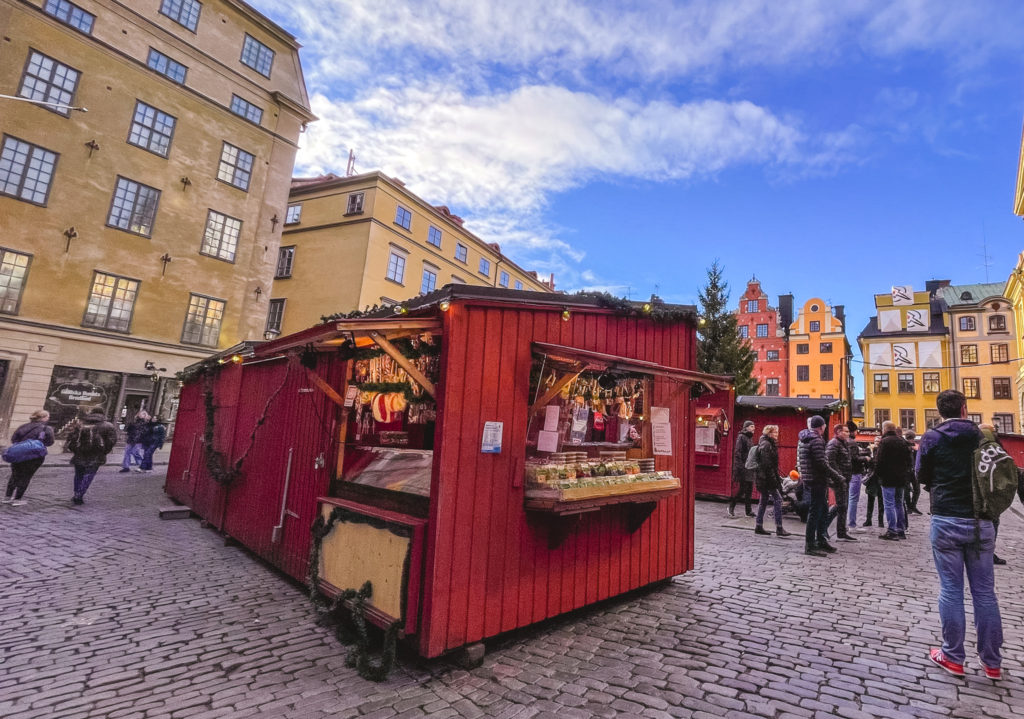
813,552
826,547
760,530
780,532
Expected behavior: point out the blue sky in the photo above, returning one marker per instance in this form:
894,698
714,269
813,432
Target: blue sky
832,148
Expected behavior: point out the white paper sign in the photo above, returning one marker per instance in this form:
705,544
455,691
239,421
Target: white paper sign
547,441
491,443
705,437
662,435
903,295
917,320
350,395
889,321
551,414
659,415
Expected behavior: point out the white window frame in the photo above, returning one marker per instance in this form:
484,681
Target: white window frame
293,215
396,265
22,167
221,236
236,166
354,205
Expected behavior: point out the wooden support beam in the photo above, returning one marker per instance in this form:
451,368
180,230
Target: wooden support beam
557,387
404,363
387,325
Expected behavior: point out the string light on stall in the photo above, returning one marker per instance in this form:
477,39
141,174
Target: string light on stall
445,305
566,314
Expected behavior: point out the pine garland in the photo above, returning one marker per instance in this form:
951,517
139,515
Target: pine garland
657,311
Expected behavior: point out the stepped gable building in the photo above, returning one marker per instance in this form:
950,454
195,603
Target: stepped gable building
766,329
365,240
141,236
819,353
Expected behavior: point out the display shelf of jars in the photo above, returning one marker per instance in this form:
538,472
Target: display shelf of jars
579,485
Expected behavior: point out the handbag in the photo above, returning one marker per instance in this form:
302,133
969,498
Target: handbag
24,450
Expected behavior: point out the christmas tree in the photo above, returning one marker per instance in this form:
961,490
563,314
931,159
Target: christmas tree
720,349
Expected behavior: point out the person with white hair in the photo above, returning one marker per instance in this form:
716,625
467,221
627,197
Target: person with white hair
22,472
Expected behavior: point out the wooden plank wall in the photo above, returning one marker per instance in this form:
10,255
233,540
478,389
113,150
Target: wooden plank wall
489,568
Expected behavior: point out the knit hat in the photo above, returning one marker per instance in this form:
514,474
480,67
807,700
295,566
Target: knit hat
816,421
749,424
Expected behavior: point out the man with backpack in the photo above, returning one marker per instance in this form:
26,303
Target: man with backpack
962,534
90,442
741,476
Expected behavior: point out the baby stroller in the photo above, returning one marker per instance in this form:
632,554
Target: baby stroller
795,499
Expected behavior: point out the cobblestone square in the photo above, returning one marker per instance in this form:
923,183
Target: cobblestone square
108,611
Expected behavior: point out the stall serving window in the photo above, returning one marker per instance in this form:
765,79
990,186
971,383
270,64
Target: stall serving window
388,435
712,430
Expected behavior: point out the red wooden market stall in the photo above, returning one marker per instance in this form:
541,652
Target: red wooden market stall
485,458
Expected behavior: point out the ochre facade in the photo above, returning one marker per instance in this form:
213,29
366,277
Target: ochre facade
819,354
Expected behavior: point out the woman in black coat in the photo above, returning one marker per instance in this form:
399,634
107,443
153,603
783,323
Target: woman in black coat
768,480
22,472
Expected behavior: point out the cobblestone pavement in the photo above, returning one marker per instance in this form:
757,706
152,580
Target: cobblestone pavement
107,611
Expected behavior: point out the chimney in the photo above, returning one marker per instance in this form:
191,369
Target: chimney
932,285
840,312
786,312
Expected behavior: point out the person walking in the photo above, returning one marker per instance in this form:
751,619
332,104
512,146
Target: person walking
871,487
891,466
837,453
22,472
153,436
913,491
768,480
741,476
816,475
133,447
856,478
960,541
90,442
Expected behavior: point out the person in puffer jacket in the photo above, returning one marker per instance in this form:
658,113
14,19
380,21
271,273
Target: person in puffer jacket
816,474
768,480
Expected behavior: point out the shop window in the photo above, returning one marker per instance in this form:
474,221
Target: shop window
999,353
997,323
762,330
968,354
1001,388
771,387
70,14
932,418
220,239
751,305
461,253
825,372
905,383
803,348
257,55
244,108
354,206
49,81
814,326
171,69
26,171
151,129
235,166
881,416
882,383
1003,423
930,381
285,260
972,387
275,315
13,275
771,355
403,218
908,419
111,302
803,373
203,321
825,348
293,215
134,206
183,12
744,331
967,324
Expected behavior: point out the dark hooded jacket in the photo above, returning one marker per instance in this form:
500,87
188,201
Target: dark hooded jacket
837,452
893,461
91,442
33,430
739,457
811,462
767,479
945,458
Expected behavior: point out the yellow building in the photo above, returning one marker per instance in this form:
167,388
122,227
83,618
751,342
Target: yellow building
355,242
1018,203
140,236
819,353
983,335
1014,293
906,353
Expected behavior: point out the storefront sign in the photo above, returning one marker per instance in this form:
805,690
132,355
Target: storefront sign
491,443
661,430
78,394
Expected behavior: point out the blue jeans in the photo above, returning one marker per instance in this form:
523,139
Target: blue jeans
851,514
83,478
775,498
132,451
954,549
895,511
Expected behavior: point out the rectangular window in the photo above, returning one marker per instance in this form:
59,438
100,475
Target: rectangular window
71,14
26,171
151,129
403,218
771,355
762,330
285,259
133,208
235,166
1000,353
882,415
968,354
803,373
815,326
751,305
976,418
434,236
771,387
931,418
47,80
396,267
930,380
1003,423
257,55
485,267
167,67
293,214
461,253
518,285
972,387
997,323
1000,388
275,315
908,419
111,302
183,12
244,108
202,323
429,281
967,324
905,382
803,349
220,239
503,279
882,383
825,372
744,331
13,273
825,348
827,396
355,204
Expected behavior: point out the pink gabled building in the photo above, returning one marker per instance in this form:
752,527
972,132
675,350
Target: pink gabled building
767,330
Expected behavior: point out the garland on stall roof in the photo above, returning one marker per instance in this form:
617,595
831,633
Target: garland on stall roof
655,310
331,611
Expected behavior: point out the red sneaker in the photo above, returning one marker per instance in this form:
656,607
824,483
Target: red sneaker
994,673
953,668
